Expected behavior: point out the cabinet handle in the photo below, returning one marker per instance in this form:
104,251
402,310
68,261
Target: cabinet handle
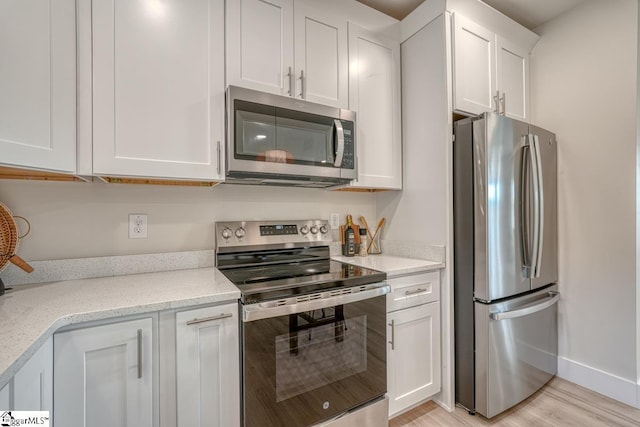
503,102
139,353
303,86
290,75
209,319
393,333
218,151
417,291
496,99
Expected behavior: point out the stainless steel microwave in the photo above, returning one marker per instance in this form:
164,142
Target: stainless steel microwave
278,140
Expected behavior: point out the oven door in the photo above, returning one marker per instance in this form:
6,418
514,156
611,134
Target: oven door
307,362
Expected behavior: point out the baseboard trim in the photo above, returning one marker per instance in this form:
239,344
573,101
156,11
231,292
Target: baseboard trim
612,386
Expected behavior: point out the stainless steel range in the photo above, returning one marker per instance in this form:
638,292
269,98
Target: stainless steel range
313,330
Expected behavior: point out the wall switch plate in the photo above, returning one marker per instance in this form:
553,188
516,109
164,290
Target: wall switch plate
137,226
334,221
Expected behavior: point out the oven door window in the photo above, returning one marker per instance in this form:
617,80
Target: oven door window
270,134
306,367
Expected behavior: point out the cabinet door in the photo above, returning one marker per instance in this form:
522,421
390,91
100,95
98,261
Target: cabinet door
321,56
374,94
474,86
38,84
104,376
207,363
158,85
33,383
260,45
512,75
5,396
413,360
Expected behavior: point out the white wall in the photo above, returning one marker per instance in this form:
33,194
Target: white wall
584,89
75,220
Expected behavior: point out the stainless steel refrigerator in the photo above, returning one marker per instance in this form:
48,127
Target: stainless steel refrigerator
505,261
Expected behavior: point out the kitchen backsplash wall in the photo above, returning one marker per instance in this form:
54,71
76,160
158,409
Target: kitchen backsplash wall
78,220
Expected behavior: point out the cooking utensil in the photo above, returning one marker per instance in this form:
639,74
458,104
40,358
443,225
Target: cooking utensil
10,239
373,239
363,220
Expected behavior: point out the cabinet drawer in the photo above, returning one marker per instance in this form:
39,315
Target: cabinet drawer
409,291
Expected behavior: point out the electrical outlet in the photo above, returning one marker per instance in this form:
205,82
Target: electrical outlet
334,221
137,226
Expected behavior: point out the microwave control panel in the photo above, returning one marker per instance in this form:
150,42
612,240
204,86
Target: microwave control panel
348,159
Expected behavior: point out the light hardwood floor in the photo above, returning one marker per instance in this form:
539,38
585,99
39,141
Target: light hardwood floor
559,403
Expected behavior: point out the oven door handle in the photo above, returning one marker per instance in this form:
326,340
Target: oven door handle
253,312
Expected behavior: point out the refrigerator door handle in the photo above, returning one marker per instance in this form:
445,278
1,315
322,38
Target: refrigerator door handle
538,188
525,227
536,204
528,309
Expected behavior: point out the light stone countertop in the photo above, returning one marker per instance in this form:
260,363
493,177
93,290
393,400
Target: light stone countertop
30,314
392,265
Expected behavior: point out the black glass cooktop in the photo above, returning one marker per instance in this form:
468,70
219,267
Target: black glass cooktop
275,281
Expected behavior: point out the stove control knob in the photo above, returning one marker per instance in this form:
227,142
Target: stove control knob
324,229
226,233
314,229
240,233
304,229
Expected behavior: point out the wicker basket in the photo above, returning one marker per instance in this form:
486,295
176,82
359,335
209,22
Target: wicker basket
10,239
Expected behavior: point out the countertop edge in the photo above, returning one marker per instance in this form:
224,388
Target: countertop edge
39,338
393,265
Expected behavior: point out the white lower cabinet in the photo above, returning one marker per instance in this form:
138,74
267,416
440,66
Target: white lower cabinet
171,369
207,367
31,388
104,375
413,349
5,397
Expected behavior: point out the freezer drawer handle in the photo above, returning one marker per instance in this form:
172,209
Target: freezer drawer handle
527,310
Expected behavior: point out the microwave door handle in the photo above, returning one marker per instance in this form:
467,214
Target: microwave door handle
339,142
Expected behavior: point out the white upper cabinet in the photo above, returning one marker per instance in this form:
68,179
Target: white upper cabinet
374,94
474,67
512,74
260,45
321,63
38,84
490,73
158,89
262,53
